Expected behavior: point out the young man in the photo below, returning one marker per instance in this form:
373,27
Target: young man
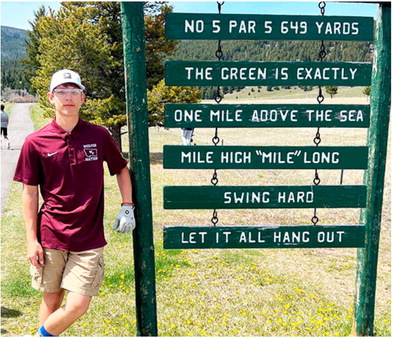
65,238
4,125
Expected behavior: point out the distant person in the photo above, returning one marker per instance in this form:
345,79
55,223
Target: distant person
187,134
65,238
4,125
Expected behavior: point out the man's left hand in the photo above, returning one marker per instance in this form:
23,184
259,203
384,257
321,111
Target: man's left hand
125,219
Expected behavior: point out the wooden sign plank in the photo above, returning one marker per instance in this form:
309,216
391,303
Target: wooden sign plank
264,236
247,73
265,115
264,197
197,26
260,157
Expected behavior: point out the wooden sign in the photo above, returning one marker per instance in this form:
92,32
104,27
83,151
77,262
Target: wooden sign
264,236
189,26
247,73
266,115
264,197
260,157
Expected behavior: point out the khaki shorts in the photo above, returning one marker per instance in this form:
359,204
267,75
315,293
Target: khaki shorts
79,272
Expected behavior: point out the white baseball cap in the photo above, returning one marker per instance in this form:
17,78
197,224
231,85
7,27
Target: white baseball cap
65,76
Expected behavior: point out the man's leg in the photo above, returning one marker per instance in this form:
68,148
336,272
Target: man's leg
6,137
186,136
48,280
60,320
82,278
51,301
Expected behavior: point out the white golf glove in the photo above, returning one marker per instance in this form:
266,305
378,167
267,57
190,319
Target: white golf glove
125,219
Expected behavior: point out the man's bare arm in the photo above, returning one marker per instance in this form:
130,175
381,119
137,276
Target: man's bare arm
125,187
30,211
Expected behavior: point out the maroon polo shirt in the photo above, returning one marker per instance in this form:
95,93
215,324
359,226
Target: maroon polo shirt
68,167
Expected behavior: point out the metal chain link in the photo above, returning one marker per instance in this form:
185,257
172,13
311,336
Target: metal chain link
315,218
214,179
322,51
322,5
317,138
214,218
219,4
218,98
320,98
316,179
215,138
322,55
219,52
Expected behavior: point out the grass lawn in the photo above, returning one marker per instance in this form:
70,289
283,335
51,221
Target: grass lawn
266,292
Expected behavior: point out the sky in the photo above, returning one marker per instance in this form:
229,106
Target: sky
18,13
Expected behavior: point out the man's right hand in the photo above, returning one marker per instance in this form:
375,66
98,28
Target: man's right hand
35,254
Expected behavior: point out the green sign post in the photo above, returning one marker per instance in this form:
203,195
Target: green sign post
132,18
375,175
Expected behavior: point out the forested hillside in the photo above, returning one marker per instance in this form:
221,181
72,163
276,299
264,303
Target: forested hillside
13,49
12,43
271,51
274,50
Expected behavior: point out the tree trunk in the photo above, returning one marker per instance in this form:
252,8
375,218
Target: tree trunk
116,134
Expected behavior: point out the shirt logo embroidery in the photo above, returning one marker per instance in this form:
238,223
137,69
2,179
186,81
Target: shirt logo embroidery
51,154
91,152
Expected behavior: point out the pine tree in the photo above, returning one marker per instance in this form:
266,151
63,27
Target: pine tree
32,52
367,91
332,90
161,94
87,38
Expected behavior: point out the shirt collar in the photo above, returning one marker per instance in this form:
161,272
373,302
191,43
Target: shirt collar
60,131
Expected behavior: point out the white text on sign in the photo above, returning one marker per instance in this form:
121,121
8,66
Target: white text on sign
270,157
266,197
267,27
268,115
263,73
245,237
